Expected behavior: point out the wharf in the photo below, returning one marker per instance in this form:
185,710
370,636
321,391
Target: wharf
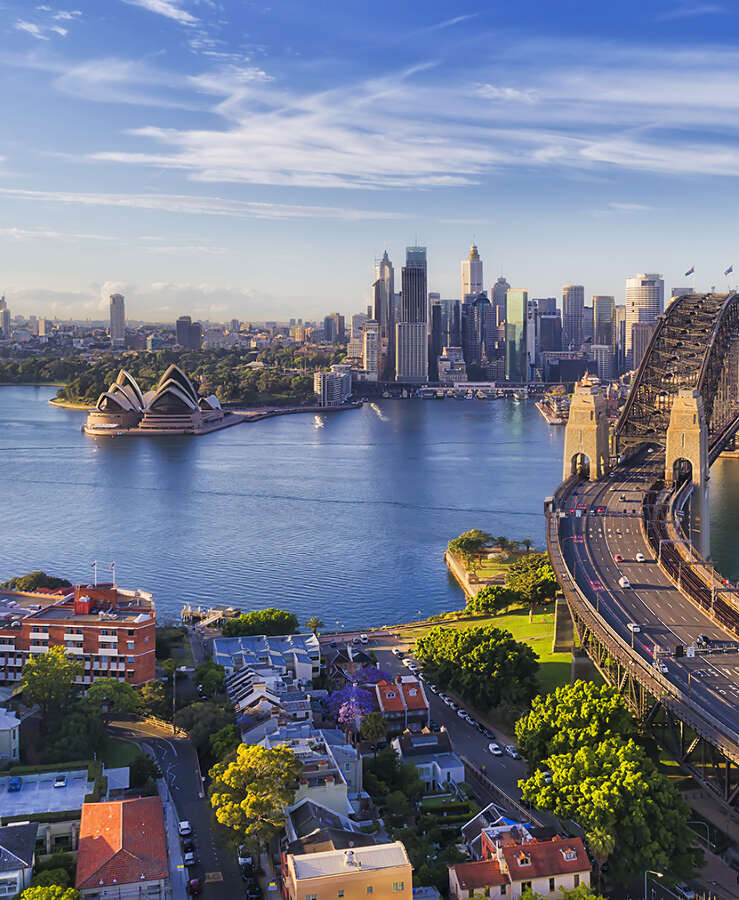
257,414
549,417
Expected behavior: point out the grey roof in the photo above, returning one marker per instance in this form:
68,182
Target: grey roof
412,745
17,845
308,817
329,839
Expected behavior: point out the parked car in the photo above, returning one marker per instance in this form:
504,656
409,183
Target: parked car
512,752
355,641
188,844
685,891
245,858
408,662
548,780
253,892
14,784
191,859
184,827
396,651
364,639
495,749
60,781
194,886
432,688
633,627
462,714
434,726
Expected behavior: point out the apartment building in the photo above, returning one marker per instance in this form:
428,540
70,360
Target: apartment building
379,871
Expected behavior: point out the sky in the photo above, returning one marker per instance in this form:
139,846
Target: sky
251,159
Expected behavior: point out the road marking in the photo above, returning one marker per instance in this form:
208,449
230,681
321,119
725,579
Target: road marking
213,876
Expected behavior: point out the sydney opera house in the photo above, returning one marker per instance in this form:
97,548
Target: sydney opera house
172,407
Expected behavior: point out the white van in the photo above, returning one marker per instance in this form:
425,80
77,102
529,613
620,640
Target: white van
624,582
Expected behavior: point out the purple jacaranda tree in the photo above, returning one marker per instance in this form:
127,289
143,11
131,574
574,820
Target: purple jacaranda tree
370,675
351,714
351,694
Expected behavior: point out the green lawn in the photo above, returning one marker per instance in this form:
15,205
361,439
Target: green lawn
119,753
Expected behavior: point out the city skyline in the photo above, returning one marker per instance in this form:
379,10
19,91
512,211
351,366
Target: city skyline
183,154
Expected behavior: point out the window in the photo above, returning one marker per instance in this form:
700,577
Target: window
340,894
370,889
311,897
577,880
129,645
551,885
129,658
398,886
130,632
502,890
390,695
525,886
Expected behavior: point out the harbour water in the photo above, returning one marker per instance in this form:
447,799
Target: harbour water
344,515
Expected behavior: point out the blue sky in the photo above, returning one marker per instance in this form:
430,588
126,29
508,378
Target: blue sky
246,159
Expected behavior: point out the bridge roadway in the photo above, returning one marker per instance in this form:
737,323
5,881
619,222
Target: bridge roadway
665,616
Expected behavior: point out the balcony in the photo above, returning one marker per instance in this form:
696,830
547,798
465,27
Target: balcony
108,651
44,649
109,638
73,636
74,651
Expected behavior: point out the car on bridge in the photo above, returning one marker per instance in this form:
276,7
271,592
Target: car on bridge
633,627
640,557
624,582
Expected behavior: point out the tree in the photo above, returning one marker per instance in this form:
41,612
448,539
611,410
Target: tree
225,741
469,544
211,677
48,680
601,844
261,621
350,714
581,892
352,694
527,542
485,665
373,728
398,806
108,695
250,793
201,720
50,892
35,580
78,735
169,667
153,699
385,773
493,598
314,623
574,715
51,876
533,578
144,771
614,786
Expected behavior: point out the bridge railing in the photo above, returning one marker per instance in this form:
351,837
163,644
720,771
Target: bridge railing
703,723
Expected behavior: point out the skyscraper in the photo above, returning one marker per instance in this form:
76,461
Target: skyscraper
4,318
371,349
188,334
618,341
516,339
436,336
411,341
603,312
573,303
382,295
641,335
472,274
645,300
498,296
358,319
117,320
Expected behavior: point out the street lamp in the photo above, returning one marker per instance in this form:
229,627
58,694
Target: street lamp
650,872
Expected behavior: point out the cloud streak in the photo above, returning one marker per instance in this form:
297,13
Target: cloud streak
167,8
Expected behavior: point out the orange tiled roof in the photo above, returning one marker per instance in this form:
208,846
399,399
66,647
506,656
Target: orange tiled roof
414,695
121,842
389,696
546,858
479,874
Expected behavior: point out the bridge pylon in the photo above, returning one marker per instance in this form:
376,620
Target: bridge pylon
586,433
687,453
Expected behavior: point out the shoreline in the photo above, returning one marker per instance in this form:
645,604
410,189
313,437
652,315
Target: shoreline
71,404
547,415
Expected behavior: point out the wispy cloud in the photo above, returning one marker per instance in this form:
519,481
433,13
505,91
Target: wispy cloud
26,234
447,23
168,8
630,207
691,11
32,29
215,206
42,29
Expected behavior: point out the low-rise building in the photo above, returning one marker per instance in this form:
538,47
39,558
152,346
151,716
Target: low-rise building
111,631
335,387
403,703
515,861
17,857
298,654
432,755
123,850
9,727
382,871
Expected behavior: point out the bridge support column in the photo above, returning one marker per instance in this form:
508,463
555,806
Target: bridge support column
586,433
687,443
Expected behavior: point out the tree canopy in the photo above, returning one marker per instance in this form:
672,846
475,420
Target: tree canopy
249,794
48,680
574,715
616,788
225,741
373,727
493,598
484,665
261,621
533,578
35,580
211,677
201,720
108,695
469,543
50,892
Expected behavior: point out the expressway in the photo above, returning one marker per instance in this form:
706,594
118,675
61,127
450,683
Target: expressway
601,535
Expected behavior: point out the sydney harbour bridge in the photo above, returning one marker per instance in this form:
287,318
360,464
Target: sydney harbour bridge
629,538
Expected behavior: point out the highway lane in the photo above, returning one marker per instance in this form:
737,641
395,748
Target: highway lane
665,617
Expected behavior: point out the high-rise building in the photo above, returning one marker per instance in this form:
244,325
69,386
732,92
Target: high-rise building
603,357
472,274
533,345
436,336
498,296
550,331
4,318
618,340
371,349
641,335
333,387
645,300
236,325
411,340
479,333
603,312
333,328
358,319
573,303
547,306
516,342
382,299
188,334
117,320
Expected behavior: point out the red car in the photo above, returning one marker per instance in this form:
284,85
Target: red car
618,557
194,886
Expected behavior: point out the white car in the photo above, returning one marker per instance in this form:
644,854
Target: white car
512,752
397,651
640,557
495,749
408,662
190,858
432,688
624,582
633,627
364,639
60,781
462,714
184,828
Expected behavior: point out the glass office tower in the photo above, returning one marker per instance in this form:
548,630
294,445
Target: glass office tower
516,362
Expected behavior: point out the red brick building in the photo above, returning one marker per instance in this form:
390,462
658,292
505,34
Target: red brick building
110,630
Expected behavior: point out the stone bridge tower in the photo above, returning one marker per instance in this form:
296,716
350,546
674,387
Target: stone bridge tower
687,452
586,434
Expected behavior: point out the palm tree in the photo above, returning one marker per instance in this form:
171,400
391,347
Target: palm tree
373,729
527,542
314,623
602,844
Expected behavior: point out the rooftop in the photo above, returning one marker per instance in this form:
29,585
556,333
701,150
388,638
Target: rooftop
17,845
479,874
341,862
121,842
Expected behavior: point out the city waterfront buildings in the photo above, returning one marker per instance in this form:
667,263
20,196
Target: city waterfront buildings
298,654
603,319
411,343
645,300
498,294
451,367
516,343
189,334
573,313
109,630
371,354
4,318
334,387
117,320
